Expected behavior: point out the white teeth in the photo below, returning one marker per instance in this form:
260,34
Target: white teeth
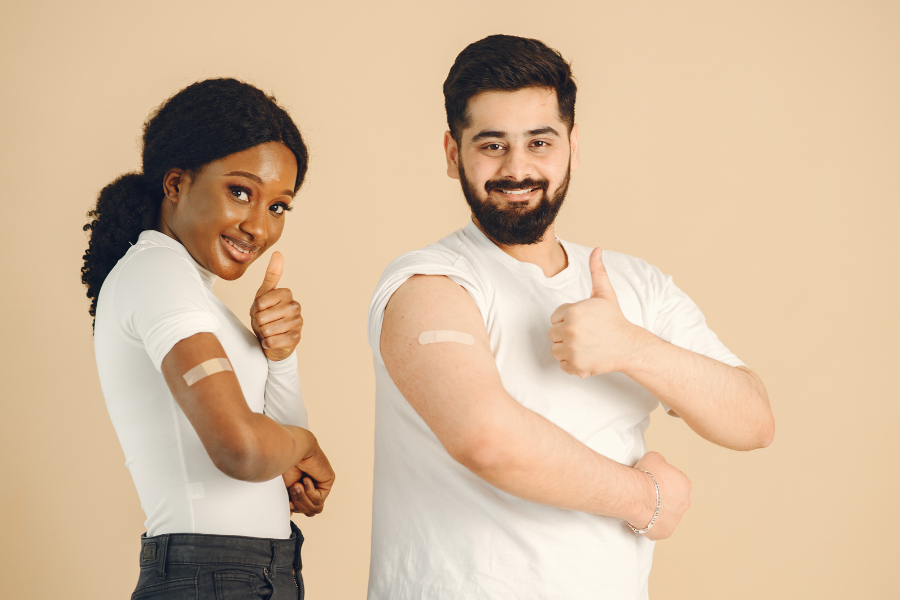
233,245
517,192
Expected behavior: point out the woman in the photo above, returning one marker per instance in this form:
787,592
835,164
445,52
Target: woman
208,413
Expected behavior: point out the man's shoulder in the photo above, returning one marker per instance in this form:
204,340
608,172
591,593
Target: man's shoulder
446,256
625,265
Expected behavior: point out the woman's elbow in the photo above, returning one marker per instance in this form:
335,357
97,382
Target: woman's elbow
238,456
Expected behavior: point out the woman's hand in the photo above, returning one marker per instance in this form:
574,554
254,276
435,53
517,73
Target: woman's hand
309,483
275,315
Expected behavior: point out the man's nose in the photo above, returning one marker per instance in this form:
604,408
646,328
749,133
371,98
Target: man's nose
517,164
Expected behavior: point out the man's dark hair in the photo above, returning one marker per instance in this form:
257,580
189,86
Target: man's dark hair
507,63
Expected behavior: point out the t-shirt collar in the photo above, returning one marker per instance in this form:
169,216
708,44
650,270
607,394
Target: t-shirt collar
158,238
475,234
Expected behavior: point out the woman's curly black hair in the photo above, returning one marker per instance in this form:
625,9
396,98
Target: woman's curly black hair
205,121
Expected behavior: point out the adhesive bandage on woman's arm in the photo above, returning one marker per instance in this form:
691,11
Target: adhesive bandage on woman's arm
207,368
445,335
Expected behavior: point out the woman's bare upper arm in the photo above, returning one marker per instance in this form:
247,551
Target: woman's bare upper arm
215,404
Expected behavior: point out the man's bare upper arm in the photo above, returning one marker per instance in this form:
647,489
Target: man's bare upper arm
454,387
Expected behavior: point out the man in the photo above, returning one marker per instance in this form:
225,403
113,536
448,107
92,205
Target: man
516,372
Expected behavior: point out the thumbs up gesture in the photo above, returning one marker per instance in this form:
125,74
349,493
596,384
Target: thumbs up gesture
592,336
275,315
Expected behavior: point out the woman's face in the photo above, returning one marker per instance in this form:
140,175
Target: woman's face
233,209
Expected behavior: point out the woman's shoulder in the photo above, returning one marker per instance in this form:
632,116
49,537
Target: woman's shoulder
152,274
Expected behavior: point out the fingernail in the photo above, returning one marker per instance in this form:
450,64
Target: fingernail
264,344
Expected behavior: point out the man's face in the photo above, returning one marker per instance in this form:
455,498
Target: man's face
513,161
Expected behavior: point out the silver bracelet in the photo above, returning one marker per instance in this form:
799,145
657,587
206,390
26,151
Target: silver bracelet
656,514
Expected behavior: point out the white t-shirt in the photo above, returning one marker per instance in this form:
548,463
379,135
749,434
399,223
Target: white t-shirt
438,530
156,296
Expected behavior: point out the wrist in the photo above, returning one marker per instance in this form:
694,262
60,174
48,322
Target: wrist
641,529
640,347
305,441
283,365
643,505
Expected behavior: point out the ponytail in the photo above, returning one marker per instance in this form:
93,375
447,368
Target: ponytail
204,122
125,208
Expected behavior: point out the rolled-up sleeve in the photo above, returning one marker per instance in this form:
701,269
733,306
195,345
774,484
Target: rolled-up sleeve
159,299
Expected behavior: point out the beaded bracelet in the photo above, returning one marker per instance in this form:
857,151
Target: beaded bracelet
656,514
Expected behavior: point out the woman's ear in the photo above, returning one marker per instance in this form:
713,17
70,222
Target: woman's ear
173,183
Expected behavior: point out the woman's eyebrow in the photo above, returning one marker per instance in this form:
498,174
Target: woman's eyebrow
251,176
258,180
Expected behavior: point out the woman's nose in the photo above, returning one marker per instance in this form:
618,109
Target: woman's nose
254,224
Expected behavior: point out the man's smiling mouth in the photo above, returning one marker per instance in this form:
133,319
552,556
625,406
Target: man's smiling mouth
517,192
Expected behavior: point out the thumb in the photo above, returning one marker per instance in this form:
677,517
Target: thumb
600,285
273,274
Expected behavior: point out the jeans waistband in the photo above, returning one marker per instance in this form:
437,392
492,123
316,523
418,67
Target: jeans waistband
201,548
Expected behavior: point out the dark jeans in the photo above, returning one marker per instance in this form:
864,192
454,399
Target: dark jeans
219,567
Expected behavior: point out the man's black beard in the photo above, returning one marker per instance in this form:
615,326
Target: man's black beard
514,225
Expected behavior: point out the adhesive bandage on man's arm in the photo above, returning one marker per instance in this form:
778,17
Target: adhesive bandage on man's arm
207,368
445,335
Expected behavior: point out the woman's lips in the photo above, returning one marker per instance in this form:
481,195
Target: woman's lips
241,252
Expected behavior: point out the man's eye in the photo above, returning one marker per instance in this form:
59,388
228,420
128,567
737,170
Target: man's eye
240,193
540,143
493,147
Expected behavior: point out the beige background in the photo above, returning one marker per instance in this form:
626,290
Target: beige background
751,149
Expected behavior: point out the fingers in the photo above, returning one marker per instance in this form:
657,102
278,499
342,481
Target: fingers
273,274
271,299
306,498
284,341
600,285
556,333
286,310
559,314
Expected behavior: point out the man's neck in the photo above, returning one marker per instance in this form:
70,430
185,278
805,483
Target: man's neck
548,254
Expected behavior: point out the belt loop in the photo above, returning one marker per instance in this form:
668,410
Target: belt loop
272,567
298,542
162,545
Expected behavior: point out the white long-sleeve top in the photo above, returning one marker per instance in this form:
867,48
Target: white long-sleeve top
157,295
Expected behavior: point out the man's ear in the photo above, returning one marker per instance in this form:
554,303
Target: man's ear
451,150
174,182
573,144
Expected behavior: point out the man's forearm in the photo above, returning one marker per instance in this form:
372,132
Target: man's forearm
530,457
723,404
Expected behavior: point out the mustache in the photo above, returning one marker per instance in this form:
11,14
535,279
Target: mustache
506,184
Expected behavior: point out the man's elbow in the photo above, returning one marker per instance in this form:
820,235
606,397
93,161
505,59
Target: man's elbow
767,431
481,453
759,437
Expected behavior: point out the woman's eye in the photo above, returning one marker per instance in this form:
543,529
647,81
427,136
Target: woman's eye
240,193
279,208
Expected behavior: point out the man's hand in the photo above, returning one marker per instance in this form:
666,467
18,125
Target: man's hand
592,336
309,482
674,493
275,315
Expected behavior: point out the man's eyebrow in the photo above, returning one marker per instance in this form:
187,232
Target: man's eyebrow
258,180
544,131
481,135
